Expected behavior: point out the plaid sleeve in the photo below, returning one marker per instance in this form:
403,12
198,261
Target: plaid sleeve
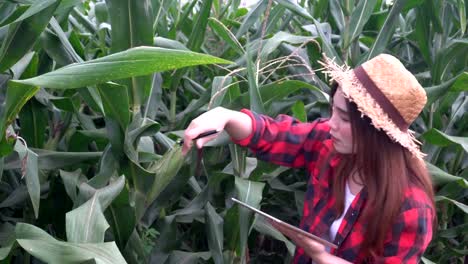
409,237
284,140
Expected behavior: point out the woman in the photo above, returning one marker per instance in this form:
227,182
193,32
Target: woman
368,191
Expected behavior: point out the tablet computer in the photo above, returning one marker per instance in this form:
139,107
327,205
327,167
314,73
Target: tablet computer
302,232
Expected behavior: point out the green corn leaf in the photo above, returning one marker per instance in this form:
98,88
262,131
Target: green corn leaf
460,205
422,34
18,12
272,44
219,90
122,218
169,43
115,102
359,18
386,33
31,172
461,83
108,166
20,66
453,232
224,33
55,49
50,160
132,24
8,244
337,14
137,129
133,62
256,103
215,233
105,195
436,92
440,177
47,249
252,17
299,112
439,138
33,120
433,9
165,243
264,227
294,7
71,181
90,94
86,224
327,46
35,8
22,35
197,35
66,5
250,193
462,14
17,95
277,90
166,169
446,56
16,197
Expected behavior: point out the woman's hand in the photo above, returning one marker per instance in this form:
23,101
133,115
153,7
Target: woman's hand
312,248
237,124
214,119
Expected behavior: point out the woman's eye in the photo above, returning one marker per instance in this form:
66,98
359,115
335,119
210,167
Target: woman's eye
346,119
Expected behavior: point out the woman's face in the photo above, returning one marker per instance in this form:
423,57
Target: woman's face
340,125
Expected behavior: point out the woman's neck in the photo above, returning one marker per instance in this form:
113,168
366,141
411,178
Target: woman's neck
355,182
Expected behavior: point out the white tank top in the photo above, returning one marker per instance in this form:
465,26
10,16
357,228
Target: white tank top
349,197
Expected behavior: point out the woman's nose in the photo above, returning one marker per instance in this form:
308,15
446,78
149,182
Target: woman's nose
333,122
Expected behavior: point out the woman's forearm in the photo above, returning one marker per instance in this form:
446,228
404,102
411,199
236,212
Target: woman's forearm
239,125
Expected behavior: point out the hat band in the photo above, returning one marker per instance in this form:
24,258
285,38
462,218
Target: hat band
380,98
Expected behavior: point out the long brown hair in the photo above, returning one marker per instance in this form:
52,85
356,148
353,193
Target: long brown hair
386,169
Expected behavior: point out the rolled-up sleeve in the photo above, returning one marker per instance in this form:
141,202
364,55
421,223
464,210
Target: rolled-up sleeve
283,140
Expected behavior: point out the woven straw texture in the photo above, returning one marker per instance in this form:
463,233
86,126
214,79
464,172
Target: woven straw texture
397,84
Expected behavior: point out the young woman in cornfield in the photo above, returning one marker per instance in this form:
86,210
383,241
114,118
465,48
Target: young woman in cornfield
369,191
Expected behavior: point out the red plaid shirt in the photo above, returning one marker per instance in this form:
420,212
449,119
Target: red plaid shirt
287,142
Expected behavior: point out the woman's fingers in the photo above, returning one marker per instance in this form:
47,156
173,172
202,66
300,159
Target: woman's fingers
194,131
213,120
190,133
202,141
186,146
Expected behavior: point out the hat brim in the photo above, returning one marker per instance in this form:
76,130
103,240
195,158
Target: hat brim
354,91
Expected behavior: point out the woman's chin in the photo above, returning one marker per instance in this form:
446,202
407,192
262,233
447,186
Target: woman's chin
335,147
339,149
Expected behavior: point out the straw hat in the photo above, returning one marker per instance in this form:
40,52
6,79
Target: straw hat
385,91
